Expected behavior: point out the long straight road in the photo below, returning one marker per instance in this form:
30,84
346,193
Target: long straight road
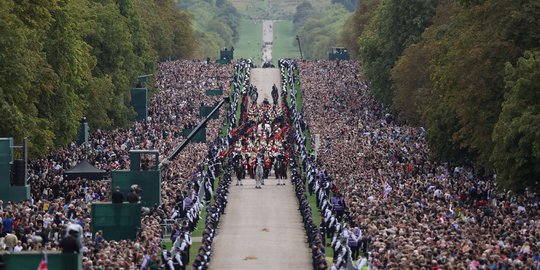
264,78
262,228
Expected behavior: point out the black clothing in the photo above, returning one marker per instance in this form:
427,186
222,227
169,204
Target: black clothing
132,197
117,197
70,245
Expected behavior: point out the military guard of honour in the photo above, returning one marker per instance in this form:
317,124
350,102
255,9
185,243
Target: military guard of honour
261,148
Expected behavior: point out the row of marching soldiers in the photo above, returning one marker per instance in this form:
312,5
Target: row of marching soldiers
178,257
213,215
315,239
189,206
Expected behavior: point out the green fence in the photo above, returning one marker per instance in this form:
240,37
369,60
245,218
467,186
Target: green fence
148,181
214,92
339,54
6,155
118,221
82,136
226,53
31,260
14,193
205,111
9,192
139,102
200,136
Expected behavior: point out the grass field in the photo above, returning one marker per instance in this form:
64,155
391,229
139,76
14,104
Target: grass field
249,44
284,44
272,9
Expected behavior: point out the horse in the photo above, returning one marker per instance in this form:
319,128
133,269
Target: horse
280,169
259,172
238,169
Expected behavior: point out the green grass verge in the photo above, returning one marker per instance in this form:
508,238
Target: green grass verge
250,42
193,251
273,9
284,43
167,242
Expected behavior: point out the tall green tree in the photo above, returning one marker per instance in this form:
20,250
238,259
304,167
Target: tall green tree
20,62
60,58
215,25
468,71
411,78
356,23
516,154
68,55
397,25
319,31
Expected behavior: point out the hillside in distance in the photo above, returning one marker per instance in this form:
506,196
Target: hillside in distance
273,9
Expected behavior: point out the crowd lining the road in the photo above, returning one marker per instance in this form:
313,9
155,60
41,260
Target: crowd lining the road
415,213
41,222
383,201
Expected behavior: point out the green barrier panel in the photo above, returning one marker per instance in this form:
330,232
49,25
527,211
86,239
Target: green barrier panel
82,136
118,221
31,261
223,61
205,111
200,136
226,53
149,182
15,193
139,102
339,53
6,156
214,92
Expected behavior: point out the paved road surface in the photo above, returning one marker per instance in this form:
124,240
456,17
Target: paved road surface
262,229
268,37
264,78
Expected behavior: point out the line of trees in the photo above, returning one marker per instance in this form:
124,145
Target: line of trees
216,25
468,71
64,59
319,30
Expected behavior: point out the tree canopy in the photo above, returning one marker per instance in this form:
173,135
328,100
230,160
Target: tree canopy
319,30
59,58
460,69
215,23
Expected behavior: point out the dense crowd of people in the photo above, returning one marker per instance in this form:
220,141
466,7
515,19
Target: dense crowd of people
417,213
381,198
56,203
